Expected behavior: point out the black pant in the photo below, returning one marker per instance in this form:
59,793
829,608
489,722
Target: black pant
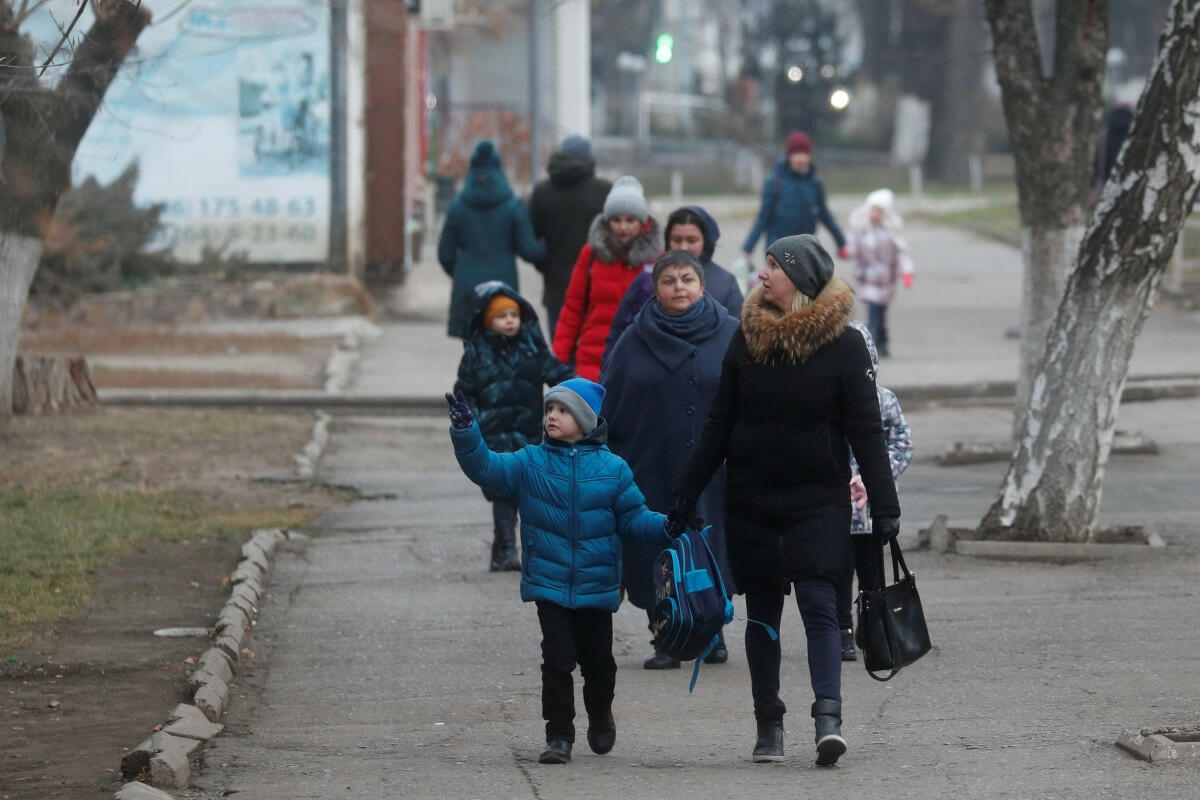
570,636
504,510
866,564
817,601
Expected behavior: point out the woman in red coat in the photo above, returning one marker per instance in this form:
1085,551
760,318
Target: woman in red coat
623,241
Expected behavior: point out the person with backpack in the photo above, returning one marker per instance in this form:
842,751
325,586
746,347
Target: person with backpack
486,228
796,397
505,363
793,199
578,502
622,242
660,383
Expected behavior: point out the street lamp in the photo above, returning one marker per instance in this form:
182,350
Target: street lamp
839,99
795,74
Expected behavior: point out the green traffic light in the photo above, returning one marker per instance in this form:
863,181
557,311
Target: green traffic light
663,47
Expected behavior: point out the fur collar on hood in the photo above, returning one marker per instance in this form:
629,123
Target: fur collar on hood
796,335
641,249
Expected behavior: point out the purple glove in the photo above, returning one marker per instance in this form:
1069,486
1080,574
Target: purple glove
460,413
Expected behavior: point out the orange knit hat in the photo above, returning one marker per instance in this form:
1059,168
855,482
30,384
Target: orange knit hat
500,302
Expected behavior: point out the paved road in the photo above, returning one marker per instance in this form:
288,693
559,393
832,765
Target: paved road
389,663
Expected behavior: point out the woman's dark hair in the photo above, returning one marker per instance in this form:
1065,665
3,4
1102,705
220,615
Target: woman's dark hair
676,258
685,216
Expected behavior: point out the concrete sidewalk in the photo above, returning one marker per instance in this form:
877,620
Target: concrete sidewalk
390,663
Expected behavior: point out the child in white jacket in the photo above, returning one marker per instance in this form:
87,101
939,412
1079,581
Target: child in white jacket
880,260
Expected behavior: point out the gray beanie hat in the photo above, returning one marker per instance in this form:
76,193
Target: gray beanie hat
627,197
806,263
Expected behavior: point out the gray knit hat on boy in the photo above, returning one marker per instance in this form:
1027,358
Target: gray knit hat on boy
583,398
626,197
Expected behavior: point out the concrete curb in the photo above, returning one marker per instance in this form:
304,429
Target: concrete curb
942,537
164,759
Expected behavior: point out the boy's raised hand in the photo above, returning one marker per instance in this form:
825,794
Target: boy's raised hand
460,413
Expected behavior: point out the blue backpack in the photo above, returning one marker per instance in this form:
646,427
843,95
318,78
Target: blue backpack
691,604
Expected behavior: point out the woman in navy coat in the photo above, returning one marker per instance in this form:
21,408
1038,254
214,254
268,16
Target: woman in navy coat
661,379
486,227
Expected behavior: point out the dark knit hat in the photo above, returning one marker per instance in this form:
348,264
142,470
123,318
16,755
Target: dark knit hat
582,398
626,197
676,258
500,302
576,146
485,155
798,142
806,263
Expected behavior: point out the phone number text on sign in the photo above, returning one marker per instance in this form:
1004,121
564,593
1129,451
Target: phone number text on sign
264,229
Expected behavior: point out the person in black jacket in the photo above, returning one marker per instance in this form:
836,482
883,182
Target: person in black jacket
562,208
796,396
505,363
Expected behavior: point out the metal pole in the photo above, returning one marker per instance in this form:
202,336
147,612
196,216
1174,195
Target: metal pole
535,95
338,37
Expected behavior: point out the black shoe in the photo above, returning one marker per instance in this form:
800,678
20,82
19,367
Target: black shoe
720,653
769,747
558,751
848,651
830,744
660,660
602,735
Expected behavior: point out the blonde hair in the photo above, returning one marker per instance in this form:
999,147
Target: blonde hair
800,300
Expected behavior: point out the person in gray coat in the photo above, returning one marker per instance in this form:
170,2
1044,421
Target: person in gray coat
486,227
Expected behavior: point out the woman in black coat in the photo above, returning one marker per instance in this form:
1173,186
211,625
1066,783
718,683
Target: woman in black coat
797,394
660,383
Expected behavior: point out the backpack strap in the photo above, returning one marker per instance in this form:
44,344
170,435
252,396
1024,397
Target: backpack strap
700,659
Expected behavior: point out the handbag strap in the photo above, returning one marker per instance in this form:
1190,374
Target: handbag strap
899,568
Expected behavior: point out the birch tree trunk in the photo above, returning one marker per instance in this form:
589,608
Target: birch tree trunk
19,257
1053,487
1052,121
43,128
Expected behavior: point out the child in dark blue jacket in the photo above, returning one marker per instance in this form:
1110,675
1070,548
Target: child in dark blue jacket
577,500
505,365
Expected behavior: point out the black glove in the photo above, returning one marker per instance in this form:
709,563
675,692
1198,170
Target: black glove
885,529
678,516
460,413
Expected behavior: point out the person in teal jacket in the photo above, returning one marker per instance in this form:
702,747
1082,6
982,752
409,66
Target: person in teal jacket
577,501
485,228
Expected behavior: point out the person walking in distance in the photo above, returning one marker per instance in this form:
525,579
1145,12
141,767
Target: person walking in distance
793,199
486,228
880,260
505,363
578,501
561,208
796,397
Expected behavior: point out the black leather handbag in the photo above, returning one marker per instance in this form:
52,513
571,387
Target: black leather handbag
891,629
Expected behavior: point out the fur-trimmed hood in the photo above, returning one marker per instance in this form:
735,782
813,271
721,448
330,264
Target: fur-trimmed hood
796,335
641,249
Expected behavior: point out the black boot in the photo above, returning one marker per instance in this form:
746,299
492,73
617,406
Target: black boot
557,751
769,746
848,651
660,660
602,733
504,546
830,744
720,653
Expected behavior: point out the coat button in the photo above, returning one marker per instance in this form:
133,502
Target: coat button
688,443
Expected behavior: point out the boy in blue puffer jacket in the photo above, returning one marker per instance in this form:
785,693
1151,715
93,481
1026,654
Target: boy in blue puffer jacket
577,500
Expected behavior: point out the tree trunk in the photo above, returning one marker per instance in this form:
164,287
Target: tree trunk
43,128
1052,124
19,257
956,122
1053,487
49,384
